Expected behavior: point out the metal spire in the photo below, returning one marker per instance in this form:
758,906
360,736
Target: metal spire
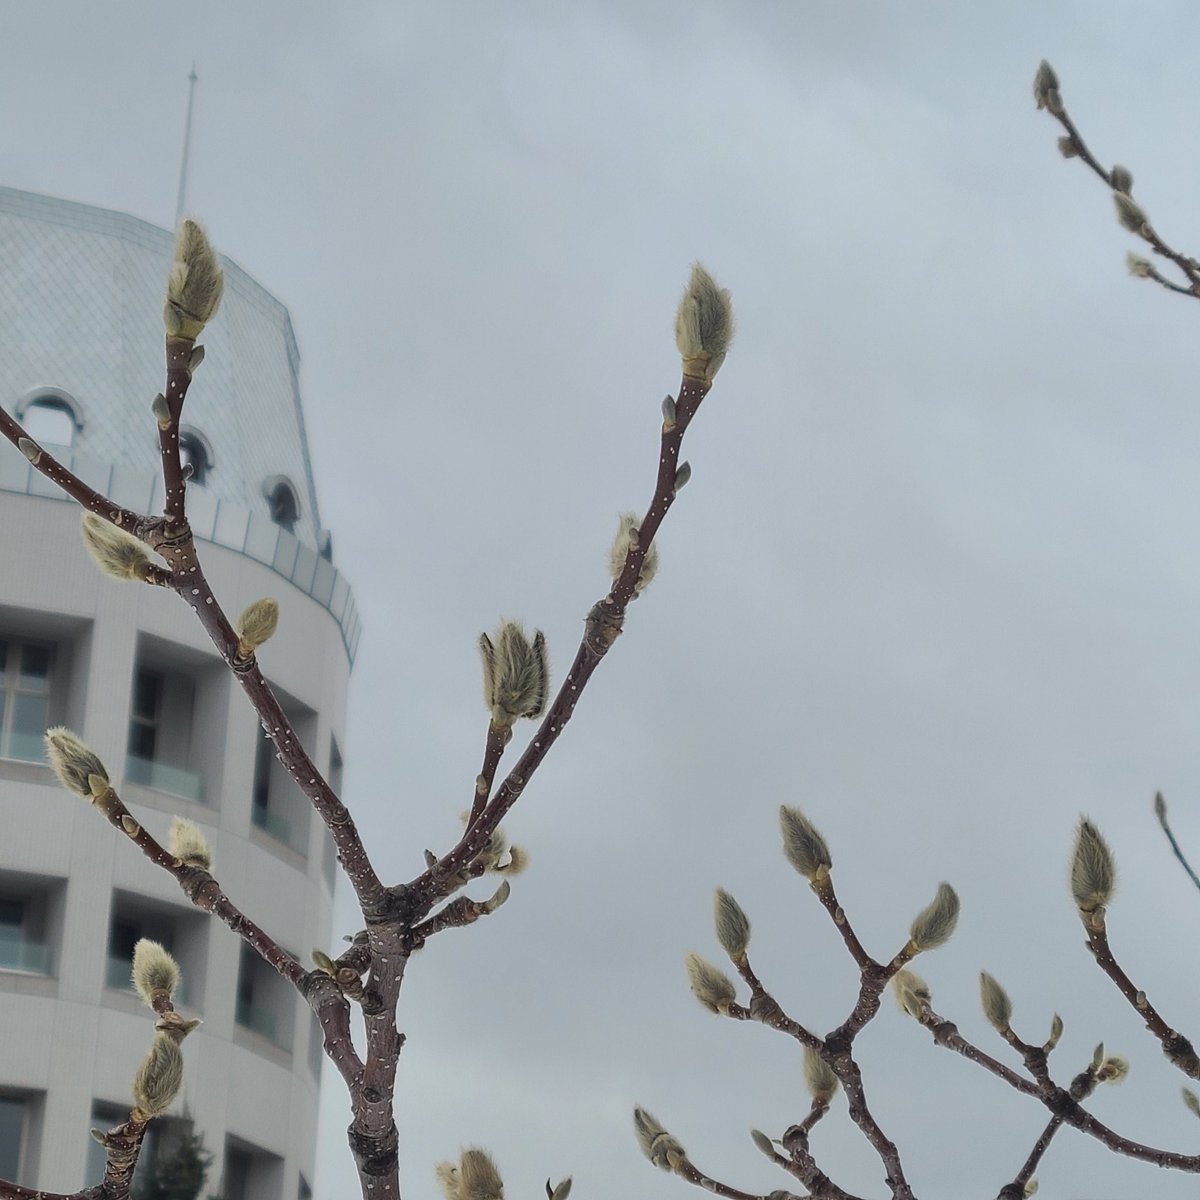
187,145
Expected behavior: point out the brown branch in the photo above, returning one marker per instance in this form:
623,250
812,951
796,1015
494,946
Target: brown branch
180,354
1016,1189
800,1161
1078,148
692,1173
823,889
765,1009
498,736
1160,811
602,627
1178,1049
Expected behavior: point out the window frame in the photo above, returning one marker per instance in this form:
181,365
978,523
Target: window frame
12,688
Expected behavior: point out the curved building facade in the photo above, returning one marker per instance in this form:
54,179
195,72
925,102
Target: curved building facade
130,670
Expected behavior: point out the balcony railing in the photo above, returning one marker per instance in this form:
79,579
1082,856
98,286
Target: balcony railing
270,822
28,747
23,954
164,778
118,974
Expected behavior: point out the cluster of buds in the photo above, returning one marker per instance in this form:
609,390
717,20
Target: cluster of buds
516,674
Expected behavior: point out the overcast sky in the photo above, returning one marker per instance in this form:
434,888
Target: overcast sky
934,580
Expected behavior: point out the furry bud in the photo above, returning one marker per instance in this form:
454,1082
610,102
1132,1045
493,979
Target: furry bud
516,674
818,1075
1045,87
1056,1031
256,624
1093,873
656,1143
30,449
1130,214
1112,1069
996,1005
155,972
160,1076
474,1178
1121,179
804,846
188,844
703,325
935,923
712,987
118,554
1068,147
1192,1101
911,991
194,285
1138,266
733,926
626,539
75,763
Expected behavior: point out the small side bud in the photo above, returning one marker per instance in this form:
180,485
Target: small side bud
1192,1101
626,539
323,962
194,284
162,414
818,1076
197,357
118,554
560,1191
703,326
711,986
1093,873
1097,1056
129,824
1045,82
160,1076
1112,1069
996,1005
764,1143
1031,1187
155,972
733,926
1068,147
1056,1032
911,991
656,1143
1121,179
668,413
516,674
30,449
804,846
188,844
256,625
498,897
74,762
936,922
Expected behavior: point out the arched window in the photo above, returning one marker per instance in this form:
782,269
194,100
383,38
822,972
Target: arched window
283,501
195,451
50,415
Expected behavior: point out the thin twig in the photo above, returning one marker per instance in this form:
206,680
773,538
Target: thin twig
1160,811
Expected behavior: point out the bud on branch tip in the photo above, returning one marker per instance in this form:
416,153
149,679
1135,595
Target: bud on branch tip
155,972
733,926
703,325
936,922
516,674
656,1143
711,986
804,846
1093,872
74,762
194,285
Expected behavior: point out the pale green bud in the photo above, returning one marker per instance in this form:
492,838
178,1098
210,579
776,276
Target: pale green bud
711,986
911,992
626,539
1045,87
30,449
256,625
194,285
118,554
936,923
733,926
1138,266
160,1076
996,1005
1121,179
1130,214
1192,1101
818,1075
155,972
804,846
1093,872
188,844
656,1143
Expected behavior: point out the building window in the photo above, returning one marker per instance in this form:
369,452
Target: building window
160,728
250,1173
303,1191
26,679
195,452
283,501
14,1118
181,931
277,806
266,1003
29,909
50,415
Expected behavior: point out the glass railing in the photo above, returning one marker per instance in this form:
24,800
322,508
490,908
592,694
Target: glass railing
164,778
28,747
271,822
22,954
258,1018
118,973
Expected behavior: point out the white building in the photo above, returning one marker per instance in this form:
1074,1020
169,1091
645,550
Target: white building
129,668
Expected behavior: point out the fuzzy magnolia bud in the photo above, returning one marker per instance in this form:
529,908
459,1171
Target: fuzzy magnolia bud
155,972
1045,88
256,624
804,846
1056,1031
996,1005
1121,179
703,325
1130,214
117,553
1138,266
1068,147
656,1143
733,926
188,844
160,1076
936,923
764,1143
626,539
1112,1069
516,674
194,285
75,763
818,1075
30,449
711,986
1093,873
911,991
1192,1101
474,1178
